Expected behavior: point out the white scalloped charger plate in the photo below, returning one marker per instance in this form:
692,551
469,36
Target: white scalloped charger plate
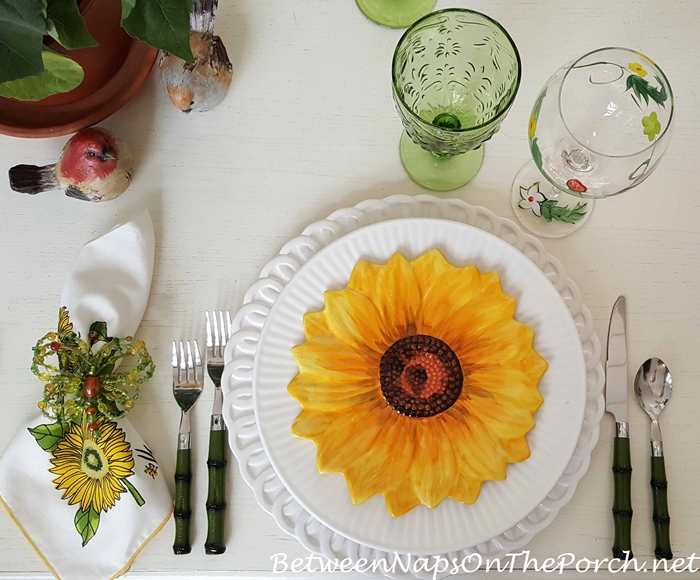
244,433
452,525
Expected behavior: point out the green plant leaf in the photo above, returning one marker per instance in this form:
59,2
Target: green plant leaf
164,24
66,25
127,7
48,436
61,74
22,29
86,522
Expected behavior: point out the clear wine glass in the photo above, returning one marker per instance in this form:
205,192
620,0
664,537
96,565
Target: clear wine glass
455,75
395,13
599,127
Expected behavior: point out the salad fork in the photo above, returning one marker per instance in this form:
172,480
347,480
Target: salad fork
188,379
217,337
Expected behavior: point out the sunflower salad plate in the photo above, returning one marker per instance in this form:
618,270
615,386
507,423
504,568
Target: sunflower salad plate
478,510
416,382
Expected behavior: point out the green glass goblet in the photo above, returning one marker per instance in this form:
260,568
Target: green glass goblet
455,75
395,13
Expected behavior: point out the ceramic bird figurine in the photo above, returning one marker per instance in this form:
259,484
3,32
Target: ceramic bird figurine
203,84
94,166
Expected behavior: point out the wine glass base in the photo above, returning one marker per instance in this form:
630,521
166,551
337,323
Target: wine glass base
438,173
395,13
545,210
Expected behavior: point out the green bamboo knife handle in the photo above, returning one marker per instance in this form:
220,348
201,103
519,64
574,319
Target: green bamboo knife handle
216,498
662,520
622,503
183,512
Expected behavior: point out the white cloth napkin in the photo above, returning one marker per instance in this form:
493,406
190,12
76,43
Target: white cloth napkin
109,281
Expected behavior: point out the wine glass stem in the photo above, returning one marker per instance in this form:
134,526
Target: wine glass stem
578,160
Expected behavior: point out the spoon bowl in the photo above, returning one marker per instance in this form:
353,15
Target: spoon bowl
653,387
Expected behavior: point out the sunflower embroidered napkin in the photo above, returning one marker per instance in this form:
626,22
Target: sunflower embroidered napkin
89,504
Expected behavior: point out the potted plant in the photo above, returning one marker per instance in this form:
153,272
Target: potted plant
55,55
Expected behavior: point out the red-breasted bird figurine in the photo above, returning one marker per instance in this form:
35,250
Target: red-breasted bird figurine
94,166
203,84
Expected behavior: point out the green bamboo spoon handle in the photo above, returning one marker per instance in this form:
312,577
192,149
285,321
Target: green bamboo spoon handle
662,519
653,387
622,503
183,512
216,498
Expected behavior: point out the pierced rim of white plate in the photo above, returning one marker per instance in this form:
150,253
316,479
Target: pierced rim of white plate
244,436
452,525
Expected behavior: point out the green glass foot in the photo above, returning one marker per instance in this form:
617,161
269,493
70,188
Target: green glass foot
437,173
395,13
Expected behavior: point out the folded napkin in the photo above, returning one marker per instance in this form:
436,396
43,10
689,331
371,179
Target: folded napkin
109,281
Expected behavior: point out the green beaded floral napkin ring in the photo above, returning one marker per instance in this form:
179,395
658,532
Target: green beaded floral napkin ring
83,385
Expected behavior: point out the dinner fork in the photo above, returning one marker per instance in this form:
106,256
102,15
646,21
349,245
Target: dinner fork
188,378
217,337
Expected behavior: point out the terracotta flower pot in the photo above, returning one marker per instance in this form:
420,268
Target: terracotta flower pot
114,72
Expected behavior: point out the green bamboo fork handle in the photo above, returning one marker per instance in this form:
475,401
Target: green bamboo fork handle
662,520
622,503
183,511
216,498
187,386
217,337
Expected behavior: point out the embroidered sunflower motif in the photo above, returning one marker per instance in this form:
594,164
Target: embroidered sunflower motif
91,469
416,382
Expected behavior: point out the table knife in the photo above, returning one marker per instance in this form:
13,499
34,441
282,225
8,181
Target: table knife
616,403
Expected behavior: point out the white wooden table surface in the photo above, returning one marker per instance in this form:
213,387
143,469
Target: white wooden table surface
310,126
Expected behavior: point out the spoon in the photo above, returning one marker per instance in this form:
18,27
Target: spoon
653,386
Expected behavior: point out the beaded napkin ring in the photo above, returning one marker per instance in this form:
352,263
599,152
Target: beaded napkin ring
84,385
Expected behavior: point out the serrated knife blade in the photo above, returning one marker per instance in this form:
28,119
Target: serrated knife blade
616,403
616,365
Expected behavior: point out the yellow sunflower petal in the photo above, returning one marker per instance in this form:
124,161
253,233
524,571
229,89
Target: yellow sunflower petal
401,500
364,278
353,318
391,452
450,291
470,322
434,470
506,386
397,297
331,396
506,343
311,424
503,421
466,490
330,360
315,325
347,438
516,449
480,452
428,268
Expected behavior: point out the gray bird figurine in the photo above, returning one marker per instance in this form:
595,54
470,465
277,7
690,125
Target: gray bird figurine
203,84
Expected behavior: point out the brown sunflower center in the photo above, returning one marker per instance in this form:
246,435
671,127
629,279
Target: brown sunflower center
420,376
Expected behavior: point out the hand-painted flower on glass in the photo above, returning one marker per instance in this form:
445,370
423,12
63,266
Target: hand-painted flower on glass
416,382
